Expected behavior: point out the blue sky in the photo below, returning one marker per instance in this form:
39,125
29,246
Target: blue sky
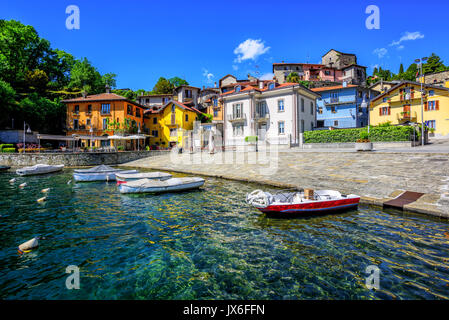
202,41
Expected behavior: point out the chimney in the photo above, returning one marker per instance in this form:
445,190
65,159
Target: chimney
215,84
108,89
84,93
260,85
204,87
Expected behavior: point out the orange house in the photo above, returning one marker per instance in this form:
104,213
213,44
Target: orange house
101,115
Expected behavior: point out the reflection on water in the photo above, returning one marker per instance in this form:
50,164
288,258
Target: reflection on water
208,244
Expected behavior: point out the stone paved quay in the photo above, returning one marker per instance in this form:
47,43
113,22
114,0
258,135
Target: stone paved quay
376,176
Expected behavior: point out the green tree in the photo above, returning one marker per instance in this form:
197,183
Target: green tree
163,86
434,64
401,68
176,82
109,79
293,78
84,74
7,102
36,80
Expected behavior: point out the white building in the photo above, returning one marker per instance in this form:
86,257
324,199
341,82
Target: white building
275,113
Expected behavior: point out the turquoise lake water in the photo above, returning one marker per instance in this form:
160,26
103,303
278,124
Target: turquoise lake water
208,244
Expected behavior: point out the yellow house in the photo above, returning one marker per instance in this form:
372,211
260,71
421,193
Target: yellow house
402,104
170,123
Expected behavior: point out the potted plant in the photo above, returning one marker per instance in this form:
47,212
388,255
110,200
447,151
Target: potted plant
364,143
251,142
431,132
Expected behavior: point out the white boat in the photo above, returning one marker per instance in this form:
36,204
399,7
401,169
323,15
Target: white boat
157,186
39,169
98,173
127,177
304,202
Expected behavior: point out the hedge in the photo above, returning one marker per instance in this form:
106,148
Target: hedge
389,133
6,145
9,150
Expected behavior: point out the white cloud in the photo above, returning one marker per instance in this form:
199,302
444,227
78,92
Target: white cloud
267,76
250,49
380,52
235,67
408,36
209,76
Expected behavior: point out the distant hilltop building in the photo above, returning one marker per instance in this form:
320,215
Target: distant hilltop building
336,67
436,79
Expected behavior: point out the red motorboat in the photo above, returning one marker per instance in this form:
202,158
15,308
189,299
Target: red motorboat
302,202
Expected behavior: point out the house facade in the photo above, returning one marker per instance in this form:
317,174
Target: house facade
153,100
276,113
341,106
335,66
95,117
402,105
168,124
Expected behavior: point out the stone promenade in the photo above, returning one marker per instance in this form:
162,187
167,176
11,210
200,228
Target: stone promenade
376,176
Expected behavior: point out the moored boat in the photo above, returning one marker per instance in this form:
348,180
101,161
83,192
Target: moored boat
158,186
303,202
98,173
39,169
4,168
127,177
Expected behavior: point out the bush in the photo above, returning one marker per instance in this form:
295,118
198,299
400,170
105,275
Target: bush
380,133
251,139
9,150
6,145
120,148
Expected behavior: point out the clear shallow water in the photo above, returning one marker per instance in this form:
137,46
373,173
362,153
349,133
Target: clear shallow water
208,245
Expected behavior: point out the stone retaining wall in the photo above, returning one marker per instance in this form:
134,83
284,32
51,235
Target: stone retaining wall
75,159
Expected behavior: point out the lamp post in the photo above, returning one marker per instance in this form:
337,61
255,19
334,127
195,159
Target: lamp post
420,61
138,140
364,106
91,130
25,131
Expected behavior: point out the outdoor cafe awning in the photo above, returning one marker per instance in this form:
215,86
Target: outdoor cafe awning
85,137
55,137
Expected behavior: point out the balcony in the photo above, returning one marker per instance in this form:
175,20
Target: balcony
262,117
236,117
337,101
406,116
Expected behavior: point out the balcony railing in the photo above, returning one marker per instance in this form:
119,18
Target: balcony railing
406,115
262,116
236,117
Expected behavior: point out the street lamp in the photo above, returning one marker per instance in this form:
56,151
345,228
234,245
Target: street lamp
420,61
91,130
138,140
364,106
25,131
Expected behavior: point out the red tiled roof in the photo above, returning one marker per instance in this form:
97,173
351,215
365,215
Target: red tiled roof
333,88
102,97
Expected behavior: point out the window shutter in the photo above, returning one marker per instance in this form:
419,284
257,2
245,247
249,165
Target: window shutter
389,110
426,106
380,111
437,105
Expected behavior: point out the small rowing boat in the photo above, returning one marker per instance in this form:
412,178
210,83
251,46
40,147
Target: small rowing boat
303,202
127,177
158,186
98,173
4,168
39,169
